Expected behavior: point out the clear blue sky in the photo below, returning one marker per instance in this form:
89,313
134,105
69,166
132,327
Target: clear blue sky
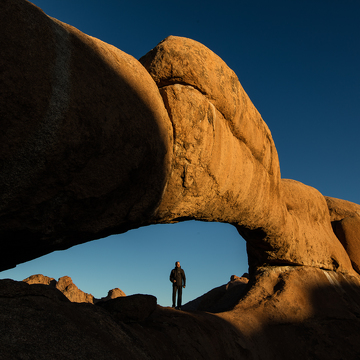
298,61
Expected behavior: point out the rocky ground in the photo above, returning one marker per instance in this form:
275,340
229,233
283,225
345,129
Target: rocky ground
282,313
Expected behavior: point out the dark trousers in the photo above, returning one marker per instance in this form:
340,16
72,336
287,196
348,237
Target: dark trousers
177,289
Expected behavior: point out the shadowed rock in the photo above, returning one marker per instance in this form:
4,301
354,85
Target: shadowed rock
345,219
85,141
131,308
222,298
288,312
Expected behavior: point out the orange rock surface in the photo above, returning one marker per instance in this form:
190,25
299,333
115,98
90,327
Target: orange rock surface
225,164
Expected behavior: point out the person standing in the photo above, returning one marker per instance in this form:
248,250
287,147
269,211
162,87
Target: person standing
178,279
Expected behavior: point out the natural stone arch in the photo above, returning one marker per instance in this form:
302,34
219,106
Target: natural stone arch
90,147
225,164
61,106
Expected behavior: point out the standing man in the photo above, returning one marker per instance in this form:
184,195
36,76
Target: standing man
177,277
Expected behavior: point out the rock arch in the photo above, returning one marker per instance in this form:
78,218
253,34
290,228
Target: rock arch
94,142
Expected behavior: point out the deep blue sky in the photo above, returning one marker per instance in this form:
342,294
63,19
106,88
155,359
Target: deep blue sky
298,61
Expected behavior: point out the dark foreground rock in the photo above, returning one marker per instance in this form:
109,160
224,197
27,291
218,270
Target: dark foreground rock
287,313
39,322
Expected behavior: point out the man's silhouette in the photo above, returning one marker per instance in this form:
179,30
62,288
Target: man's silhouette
177,277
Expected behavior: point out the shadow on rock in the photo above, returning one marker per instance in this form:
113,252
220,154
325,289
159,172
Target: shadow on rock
286,312
222,298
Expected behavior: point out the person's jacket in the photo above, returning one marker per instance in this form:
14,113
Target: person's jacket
178,274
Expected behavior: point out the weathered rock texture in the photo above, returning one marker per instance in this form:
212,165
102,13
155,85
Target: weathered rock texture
225,164
345,219
70,290
90,147
317,307
85,140
94,142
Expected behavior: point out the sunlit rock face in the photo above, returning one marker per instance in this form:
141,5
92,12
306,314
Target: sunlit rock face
225,164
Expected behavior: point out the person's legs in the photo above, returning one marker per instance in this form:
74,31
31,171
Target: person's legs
179,296
174,296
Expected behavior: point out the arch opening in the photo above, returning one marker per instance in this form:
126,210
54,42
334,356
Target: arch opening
140,260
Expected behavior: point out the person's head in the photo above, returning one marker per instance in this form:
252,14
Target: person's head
177,264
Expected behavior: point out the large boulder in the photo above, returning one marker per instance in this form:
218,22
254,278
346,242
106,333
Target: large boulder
85,140
40,279
298,312
222,147
64,284
222,298
348,232
345,219
39,322
225,164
